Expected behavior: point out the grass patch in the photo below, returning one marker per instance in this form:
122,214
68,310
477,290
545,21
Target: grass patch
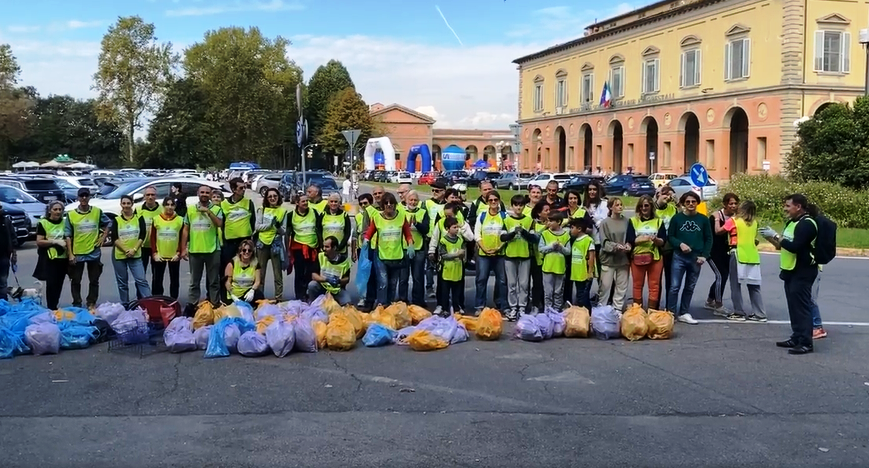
847,238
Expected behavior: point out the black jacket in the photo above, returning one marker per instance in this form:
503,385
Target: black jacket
8,240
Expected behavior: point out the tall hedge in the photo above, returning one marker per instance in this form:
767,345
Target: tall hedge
848,208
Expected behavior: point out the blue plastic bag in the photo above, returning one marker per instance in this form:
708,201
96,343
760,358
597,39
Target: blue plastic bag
378,335
12,343
216,342
363,271
77,336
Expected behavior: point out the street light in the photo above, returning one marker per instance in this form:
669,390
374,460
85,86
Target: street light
305,152
864,39
498,147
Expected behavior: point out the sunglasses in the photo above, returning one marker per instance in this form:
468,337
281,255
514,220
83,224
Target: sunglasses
388,204
168,204
378,193
273,196
494,200
246,251
692,202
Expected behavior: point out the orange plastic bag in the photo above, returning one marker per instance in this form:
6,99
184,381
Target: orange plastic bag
204,315
264,323
63,315
401,313
468,321
660,323
577,322
422,340
320,329
489,325
417,314
384,318
340,334
633,325
330,306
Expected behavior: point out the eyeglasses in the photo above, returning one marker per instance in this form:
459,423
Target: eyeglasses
378,193
85,195
645,205
494,200
389,203
246,251
364,204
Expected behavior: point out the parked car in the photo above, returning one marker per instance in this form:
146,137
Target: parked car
450,178
427,178
21,222
327,185
42,188
629,185
33,208
479,176
291,184
79,182
660,179
267,181
111,203
580,182
542,180
402,177
682,185
513,180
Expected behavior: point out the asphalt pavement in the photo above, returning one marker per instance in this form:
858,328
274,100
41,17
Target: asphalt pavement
717,394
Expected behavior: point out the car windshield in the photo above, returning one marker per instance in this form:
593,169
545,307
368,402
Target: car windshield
123,189
13,196
86,182
64,184
326,183
41,184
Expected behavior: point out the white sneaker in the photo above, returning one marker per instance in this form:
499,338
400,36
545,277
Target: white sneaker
438,310
687,318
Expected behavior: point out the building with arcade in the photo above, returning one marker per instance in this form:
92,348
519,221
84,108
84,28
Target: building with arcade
720,82
408,130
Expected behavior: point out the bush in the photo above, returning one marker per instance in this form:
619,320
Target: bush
848,208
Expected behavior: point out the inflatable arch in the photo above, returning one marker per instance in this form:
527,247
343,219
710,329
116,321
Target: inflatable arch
419,150
385,146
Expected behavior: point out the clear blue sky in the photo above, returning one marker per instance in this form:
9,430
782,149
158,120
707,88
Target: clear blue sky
396,51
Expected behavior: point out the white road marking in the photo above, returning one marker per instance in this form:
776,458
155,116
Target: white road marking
566,376
784,322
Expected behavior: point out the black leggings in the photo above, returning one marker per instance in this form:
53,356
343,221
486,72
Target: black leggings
159,268
55,276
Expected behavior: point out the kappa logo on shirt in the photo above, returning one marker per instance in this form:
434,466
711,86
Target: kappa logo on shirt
690,226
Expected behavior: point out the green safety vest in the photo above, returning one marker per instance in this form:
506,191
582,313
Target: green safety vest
579,213
203,234
274,217
242,278
490,232
333,225
647,228
168,235
327,268
372,211
452,269
391,243
414,217
434,209
579,258
459,217
788,258
358,218
85,230
319,207
304,227
517,247
54,231
667,214
539,227
554,262
128,236
236,218
527,210
746,249
148,216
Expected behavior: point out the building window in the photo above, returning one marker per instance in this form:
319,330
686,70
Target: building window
587,95
651,81
538,95
832,51
561,92
737,59
617,81
690,75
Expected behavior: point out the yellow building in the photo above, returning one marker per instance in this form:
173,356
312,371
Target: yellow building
721,82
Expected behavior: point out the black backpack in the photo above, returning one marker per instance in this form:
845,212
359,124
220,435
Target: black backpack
825,242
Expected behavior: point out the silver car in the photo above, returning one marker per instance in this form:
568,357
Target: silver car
20,199
682,185
513,180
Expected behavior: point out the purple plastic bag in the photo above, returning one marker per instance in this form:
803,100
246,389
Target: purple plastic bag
43,338
460,335
545,324
281,337
558,323
252,344
178,336
305,336
313,312
231,334
527,329
201,336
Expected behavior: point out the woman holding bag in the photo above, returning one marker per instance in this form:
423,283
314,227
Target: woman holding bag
166,248
646,234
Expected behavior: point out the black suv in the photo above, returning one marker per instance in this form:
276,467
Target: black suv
20,222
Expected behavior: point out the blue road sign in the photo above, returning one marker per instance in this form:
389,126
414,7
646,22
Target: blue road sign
699,176
301,131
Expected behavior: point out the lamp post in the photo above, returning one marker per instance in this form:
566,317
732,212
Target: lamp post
305,154
516,146
498,147
864,40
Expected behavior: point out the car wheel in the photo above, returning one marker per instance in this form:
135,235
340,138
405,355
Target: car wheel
510,187
625,193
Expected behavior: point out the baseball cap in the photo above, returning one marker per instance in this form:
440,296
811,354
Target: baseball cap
83,192
438,185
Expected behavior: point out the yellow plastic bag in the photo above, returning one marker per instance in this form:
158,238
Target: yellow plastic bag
384,318
356,319
340,335
264,323
634,325
402,315
489,325
422,340
204,315
660,323
417,314
468,321
63,315
576,322
330,306
320,329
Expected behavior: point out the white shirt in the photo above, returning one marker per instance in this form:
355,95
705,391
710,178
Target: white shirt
345,187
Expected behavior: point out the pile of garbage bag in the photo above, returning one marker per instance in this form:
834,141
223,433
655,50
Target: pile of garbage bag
28,328
604,322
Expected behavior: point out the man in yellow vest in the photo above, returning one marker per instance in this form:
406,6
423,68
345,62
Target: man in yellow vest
86,228
332,273
149,210
200,244
315,199
239,223
434,206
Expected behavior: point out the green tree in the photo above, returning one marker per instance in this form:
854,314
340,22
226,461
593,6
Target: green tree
346,111
833,146
15,103
180,134
250,86
132,73
325,84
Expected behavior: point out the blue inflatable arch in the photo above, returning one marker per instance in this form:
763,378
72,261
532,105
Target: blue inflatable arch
419,150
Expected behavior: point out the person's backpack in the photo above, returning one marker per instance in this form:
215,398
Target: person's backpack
825,242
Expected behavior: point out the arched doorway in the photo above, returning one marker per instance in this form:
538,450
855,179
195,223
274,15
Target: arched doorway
534,155
618,137
651,144
562,149
822,107
436,158
471,152
489,154
587,145
738,141
507,159
690,125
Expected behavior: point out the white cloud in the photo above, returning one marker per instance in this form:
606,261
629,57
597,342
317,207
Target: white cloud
238,7
23,29
76,24
56,26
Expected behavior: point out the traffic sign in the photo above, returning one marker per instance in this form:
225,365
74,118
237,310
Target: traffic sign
699,175
301,131
516,147
351,136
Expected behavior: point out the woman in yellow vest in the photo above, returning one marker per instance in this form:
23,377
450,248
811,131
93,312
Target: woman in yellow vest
166,248
332,274
394,244
490,252
418,220
304,236
51,267
646,235
271,226
243,275
745,263
336,222
128,234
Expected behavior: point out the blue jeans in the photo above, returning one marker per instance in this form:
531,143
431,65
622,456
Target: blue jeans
816,312
684,266
388,274
583,293
316,289
485,266
137,268
4,277
416,270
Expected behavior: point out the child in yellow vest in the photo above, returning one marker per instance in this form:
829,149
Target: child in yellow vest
451,274
582,260
745,263
555,249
